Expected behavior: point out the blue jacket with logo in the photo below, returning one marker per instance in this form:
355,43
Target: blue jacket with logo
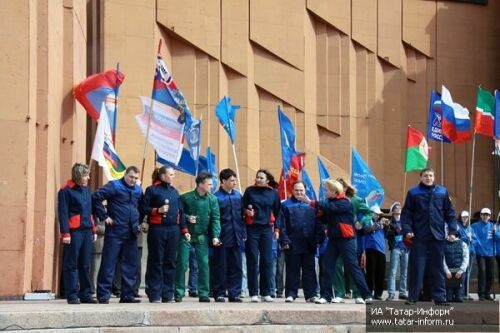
74,206
155,197
298,227
231,218
122,206
483,238
426,211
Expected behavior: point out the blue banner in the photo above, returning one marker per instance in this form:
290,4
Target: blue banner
226,113
323,175
365,182
212,169
311,194
287,135
186,163
435,125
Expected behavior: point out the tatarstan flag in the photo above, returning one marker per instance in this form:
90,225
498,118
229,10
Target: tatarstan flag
417,150
485,117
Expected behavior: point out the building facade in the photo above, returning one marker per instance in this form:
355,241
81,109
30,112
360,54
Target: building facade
348,73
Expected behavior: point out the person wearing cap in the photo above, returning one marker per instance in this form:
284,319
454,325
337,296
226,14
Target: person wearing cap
375,252
426,212
484,231
399,254
465,234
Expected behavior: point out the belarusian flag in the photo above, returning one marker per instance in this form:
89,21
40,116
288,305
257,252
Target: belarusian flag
417,150
484,112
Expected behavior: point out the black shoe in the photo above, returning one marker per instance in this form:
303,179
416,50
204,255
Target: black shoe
103,301
167,300
481,298
129,300
204,299
74,301
403,297
489,298
178,299
378,298
193,294
410,302
279,295
235,300
441,303
137,295
89,301
220,299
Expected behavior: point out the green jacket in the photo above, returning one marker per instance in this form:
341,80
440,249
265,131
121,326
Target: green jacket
362,213
206,210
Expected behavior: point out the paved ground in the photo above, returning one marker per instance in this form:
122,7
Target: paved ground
192,316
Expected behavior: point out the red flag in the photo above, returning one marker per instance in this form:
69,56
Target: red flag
296,165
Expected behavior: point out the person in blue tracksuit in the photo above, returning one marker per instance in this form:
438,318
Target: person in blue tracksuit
375,252
465,235
262,206
122,217
163,206
77,232
297,224
337,214
483,234
226,259
426,211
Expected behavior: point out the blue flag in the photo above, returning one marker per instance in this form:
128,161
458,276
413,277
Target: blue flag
212,169
323,175
226,113
186,163
193,139
497,115
365,182
311,194
435,126
287,135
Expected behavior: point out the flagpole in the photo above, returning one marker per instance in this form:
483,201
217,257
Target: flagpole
237,168
442,159
116,102
404,185
472,172
199,146
151,103
406,159
232,144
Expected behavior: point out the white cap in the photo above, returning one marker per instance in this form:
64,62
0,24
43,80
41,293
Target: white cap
486,211
394,205
464,213
376,209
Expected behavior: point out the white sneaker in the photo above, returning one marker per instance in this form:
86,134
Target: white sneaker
289,299
254,299
359,300
369,300
321,301
268,299
312,299
338,300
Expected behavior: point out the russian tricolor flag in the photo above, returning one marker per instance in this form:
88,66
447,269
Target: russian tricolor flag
456,122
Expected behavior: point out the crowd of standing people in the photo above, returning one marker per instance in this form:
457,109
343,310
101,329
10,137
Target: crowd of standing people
328,247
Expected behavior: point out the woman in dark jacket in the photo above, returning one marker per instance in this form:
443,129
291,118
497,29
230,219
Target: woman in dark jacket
262,206
337,213
163,207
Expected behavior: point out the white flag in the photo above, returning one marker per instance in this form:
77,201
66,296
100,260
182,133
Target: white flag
165,132
103,151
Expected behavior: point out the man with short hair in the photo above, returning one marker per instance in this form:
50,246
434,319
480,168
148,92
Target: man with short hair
426,212
226,259
203,219
483,234
122,219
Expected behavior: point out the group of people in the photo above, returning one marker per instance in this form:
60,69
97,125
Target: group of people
341,237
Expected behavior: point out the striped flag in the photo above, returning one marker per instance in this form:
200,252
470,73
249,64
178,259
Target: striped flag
103,151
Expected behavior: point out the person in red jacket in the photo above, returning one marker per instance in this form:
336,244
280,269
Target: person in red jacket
77,232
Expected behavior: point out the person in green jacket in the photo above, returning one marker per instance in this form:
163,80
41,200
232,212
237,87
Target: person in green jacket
362,216
201,211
